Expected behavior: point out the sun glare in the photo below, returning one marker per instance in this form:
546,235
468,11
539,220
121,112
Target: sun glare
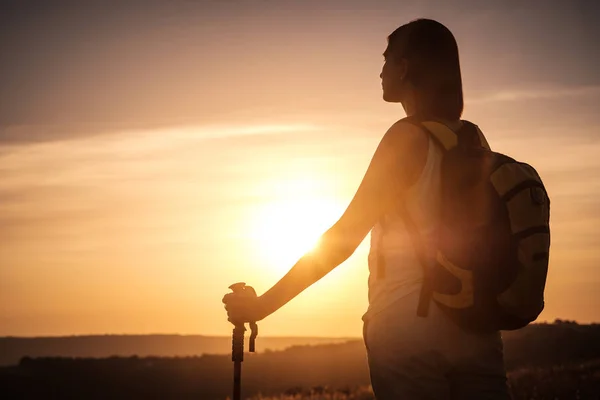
286,229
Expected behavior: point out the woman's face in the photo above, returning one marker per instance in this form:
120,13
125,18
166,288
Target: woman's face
392,76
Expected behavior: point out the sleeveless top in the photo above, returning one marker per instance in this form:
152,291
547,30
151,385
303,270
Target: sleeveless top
403,272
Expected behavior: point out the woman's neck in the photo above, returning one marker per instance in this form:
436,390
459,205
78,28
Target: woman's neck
409,105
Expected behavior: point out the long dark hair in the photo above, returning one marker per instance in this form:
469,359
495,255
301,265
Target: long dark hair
433,67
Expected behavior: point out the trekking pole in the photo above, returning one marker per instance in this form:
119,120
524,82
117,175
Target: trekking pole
237,341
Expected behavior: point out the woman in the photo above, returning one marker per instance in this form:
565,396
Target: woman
410,357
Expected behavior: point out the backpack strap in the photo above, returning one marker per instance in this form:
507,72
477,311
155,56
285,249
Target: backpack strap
447,139
469,135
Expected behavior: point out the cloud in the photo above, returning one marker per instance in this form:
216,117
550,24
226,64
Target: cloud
53,188
537,94
24,134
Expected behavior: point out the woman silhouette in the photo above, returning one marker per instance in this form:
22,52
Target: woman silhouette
410,357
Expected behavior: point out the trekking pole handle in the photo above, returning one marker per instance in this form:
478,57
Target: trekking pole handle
242,289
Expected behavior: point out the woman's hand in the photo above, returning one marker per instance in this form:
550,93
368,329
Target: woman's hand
241,309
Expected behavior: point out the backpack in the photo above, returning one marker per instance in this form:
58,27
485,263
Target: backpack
489,269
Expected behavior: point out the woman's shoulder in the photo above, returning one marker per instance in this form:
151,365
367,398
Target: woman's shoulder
407,146
405,135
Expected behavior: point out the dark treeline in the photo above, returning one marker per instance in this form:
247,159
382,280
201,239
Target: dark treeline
12,349
543,351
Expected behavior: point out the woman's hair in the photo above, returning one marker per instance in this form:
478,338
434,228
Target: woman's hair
431,53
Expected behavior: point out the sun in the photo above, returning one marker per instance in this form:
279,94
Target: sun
285,229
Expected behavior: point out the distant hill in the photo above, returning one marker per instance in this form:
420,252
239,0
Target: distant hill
544,361
562,342
521,346
12,349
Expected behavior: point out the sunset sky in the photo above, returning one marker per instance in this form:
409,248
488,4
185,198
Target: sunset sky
153,153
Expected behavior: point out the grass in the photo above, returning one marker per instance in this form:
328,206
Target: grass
568,382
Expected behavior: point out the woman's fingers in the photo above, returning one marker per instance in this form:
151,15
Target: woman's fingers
229,297
242,308
240,312
235,308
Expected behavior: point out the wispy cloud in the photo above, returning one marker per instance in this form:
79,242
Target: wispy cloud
64,182
24,134
537,94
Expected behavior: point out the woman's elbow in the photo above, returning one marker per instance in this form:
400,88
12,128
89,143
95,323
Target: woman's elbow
335,247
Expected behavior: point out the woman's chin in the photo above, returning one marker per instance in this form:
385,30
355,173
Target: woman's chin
389,98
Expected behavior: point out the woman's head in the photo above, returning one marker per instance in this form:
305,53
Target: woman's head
422,68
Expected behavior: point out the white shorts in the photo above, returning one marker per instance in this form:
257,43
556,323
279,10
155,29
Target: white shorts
411,357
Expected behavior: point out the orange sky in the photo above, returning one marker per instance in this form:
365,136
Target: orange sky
150,159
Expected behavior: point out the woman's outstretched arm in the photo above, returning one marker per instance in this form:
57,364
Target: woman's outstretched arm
396,164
